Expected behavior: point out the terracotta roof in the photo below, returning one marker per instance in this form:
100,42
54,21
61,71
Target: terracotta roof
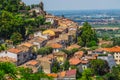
53,75
27,44
113,49
74,61
98,50
37,39
14,50
71,72
56,45
79,54
32,62
22,48
73,46
62,74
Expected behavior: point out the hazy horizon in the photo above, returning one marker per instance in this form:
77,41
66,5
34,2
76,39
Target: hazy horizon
77,4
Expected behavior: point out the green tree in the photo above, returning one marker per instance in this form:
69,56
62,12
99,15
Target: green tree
115,73
66,65
92,43
19,73
11,23
55,67
70,52
10,5
116,41
87,74
45,50
29,30
16,38
2,74
7,68
99,67
80,42
40,20
87,35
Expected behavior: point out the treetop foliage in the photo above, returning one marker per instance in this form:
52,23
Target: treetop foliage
88,36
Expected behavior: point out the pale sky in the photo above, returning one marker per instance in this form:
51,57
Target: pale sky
77,4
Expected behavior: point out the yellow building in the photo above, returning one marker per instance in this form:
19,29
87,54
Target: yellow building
60,56
49,32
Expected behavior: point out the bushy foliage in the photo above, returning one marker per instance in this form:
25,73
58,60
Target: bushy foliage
99,67
10,23
45,50
16,38
12,5
87,75
18,73
88,36
116,41
70,52
55,67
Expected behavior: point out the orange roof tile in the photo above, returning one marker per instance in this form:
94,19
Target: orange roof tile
52,75
62,74
74,61
27,44
56,45
73,46
14,50
79,54
32,62
113,49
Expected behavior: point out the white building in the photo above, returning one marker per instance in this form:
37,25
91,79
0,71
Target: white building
39,34
20,55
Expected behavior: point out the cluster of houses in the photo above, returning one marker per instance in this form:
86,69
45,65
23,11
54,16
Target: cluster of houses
62,36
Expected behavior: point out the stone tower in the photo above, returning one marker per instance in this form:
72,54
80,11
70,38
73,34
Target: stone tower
41,5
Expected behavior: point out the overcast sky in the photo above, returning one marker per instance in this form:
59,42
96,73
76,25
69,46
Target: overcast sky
77,4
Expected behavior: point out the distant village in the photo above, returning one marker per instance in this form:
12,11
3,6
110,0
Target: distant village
62,34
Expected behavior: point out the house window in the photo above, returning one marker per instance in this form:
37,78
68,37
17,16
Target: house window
18,60
18,55
116,56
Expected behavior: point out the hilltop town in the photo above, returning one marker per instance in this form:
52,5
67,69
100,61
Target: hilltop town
60,48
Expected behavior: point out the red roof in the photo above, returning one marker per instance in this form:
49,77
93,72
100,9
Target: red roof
71,72
74,61
14,50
